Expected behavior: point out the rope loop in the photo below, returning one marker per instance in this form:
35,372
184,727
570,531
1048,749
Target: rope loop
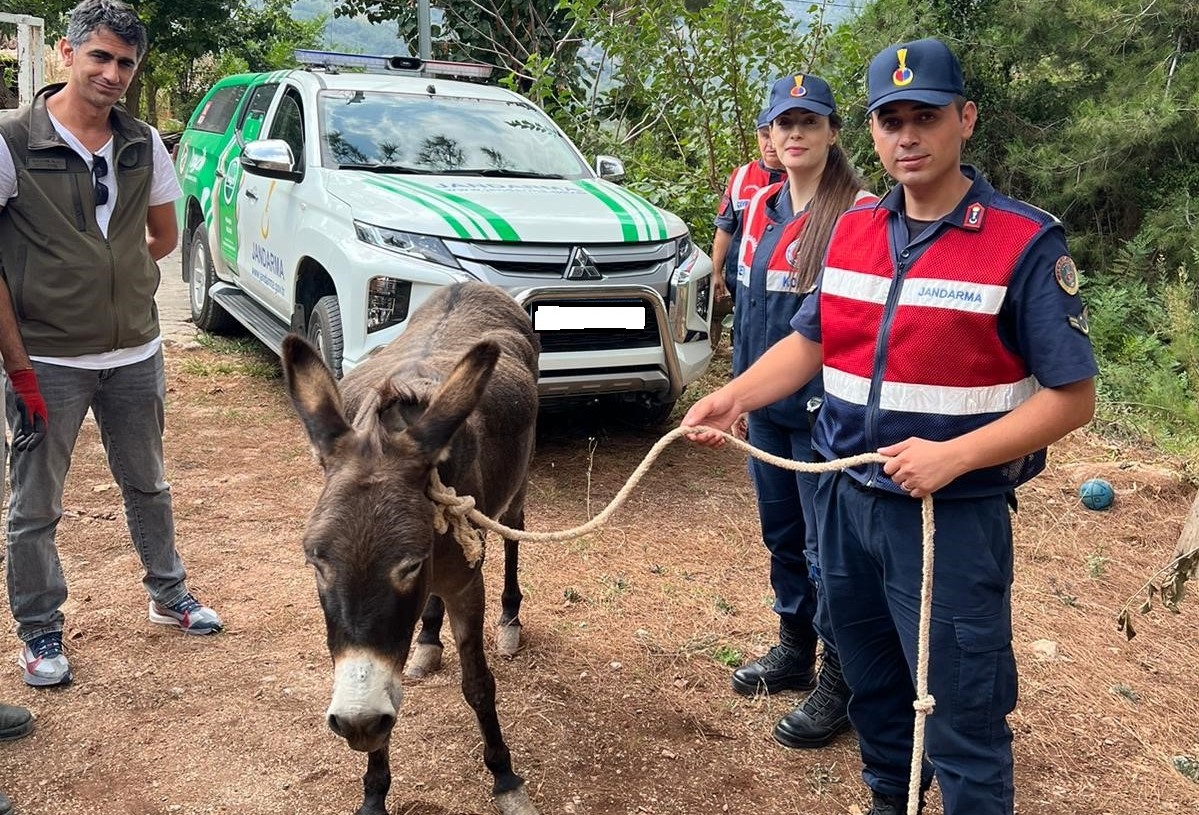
450,512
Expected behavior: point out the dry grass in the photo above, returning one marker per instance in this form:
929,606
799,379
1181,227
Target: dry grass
619,702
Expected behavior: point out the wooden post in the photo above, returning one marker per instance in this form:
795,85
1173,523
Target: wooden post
31,46
1188,541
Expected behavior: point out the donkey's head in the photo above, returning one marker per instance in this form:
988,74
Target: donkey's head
370,535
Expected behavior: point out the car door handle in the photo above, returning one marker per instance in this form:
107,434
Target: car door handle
253,196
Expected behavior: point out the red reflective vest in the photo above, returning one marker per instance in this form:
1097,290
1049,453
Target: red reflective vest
744,183
912,347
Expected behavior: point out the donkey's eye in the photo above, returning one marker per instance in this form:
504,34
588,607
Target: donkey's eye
319,566
405,572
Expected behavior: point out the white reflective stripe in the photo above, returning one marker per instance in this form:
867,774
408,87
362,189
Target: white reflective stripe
740,199
935,399
868,288
787,281
950,401
846,386
978,298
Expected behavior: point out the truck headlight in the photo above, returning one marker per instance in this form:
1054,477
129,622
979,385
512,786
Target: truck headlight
421,247
387,302
684,249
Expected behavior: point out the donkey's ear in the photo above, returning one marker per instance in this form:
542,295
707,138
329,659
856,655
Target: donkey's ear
454,401
314,394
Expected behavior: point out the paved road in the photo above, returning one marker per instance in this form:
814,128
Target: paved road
174,312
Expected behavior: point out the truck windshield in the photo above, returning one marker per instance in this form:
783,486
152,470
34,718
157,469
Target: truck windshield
409,133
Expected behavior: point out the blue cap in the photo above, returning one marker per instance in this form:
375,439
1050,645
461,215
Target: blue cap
802,92
763,120
921,71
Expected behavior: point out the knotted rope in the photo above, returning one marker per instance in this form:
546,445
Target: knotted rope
457,512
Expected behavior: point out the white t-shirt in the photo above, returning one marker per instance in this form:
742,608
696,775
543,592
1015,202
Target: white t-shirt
164,189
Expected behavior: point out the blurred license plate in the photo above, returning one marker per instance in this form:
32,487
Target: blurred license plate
558,318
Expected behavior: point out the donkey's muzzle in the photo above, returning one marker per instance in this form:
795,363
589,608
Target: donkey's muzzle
364,732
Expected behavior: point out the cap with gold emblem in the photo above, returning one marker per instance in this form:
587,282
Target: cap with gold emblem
921,71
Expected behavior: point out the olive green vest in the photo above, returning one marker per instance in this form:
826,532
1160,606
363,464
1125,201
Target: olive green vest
75,291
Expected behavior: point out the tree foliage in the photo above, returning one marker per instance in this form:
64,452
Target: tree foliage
509,34
1088,109
675,87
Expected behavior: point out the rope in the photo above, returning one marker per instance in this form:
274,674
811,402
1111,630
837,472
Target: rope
457,512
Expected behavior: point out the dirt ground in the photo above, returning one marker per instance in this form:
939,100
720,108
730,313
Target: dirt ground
620,700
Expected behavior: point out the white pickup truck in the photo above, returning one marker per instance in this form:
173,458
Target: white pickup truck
332,202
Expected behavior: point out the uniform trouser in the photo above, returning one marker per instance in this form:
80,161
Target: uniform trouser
870,550
785,509
127,403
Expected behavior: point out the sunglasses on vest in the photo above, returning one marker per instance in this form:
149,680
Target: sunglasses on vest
99,170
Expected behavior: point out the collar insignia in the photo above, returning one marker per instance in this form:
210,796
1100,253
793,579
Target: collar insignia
974,216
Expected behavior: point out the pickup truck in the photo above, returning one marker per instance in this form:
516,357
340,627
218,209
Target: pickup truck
332,202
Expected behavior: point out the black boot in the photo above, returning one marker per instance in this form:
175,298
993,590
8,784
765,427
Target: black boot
787,666
821,716
892,804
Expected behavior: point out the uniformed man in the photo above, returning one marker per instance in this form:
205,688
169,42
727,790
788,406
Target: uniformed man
952,339
743,183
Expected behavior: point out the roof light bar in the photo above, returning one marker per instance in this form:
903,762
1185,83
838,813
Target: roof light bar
332,60
465,70
337,59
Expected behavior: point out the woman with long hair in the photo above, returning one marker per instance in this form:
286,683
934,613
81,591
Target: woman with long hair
787,230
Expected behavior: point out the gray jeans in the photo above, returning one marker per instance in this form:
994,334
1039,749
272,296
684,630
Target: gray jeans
127,403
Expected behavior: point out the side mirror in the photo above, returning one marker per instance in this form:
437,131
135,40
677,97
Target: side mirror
271,158
609,168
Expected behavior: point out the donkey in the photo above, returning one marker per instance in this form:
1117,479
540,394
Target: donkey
456,391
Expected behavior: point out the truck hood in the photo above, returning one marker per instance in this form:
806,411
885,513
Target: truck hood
514,210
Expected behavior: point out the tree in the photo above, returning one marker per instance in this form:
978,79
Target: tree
676,91
1087,108
511,35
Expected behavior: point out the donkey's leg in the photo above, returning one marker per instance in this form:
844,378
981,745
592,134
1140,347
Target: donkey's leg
478,687
426,656
507,638
376,782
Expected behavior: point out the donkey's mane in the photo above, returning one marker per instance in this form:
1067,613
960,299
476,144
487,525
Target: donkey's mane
410,385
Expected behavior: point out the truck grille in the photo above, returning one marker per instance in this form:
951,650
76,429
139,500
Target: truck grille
507,264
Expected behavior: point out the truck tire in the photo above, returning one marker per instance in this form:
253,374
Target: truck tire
324,332
206,313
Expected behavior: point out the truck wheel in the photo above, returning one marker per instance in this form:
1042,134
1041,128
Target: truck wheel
324,332
206,313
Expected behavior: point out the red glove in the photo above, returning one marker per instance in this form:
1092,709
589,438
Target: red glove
32,407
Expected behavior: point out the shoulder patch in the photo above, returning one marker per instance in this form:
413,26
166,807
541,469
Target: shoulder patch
725,203
1067,274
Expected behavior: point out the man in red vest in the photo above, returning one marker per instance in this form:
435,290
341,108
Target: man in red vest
743,183
952,339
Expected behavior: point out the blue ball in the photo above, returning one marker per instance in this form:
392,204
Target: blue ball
1096,494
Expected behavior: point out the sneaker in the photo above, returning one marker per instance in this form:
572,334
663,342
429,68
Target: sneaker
43,661
188,615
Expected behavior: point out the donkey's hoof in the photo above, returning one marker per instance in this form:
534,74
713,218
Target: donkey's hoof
515,802
425,659
507,640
